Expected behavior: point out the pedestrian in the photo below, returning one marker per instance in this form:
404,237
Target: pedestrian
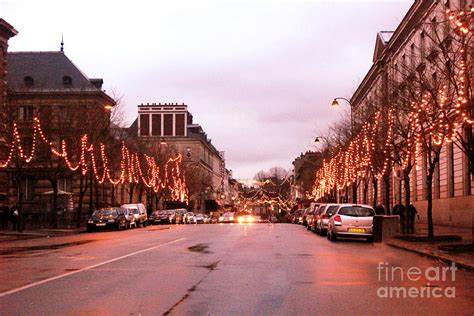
400,210
15,217
4,215
412,213
379,210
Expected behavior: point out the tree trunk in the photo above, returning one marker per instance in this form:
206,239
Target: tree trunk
429,197
355,185
375,184
387,193
130,195
406,186
54,207
91,192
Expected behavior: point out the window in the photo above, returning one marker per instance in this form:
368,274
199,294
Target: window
65,184
28,81
422,45
63,114
144,125
356,211
28,188
180,126
168,125
25,113
67,81
156,124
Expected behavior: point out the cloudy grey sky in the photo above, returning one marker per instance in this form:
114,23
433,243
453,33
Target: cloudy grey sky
258,75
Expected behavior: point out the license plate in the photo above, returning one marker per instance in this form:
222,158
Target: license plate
356,230
100,224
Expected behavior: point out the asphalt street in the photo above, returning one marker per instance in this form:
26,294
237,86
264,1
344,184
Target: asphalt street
261,269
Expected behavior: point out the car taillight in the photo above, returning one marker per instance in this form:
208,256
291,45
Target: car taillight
325,216
337,219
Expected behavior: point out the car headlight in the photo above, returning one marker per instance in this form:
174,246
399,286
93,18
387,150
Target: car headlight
221,219
251,219
240,220
231,218
90,221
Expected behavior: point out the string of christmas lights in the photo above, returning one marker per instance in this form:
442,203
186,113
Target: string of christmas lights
130,171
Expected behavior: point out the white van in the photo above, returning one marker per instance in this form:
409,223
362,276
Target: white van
139,211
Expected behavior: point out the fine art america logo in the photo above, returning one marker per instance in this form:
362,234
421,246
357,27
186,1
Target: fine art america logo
404,283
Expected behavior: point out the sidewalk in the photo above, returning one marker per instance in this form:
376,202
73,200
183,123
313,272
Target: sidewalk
11,235
462,259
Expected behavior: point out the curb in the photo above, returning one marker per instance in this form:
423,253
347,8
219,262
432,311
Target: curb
433,256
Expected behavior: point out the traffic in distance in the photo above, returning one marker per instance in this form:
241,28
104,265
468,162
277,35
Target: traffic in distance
130,216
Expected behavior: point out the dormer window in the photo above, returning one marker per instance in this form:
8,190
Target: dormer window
29,82
67,81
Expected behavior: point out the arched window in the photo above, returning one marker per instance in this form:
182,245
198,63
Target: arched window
67,81
29,82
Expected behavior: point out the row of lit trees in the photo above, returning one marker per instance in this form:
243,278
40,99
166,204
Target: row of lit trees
427,104
78,143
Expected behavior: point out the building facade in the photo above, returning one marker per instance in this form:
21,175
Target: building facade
48,86
414,47
169,127
6,32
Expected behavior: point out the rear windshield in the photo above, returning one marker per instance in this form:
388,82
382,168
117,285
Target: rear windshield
356,211
171,212
331,209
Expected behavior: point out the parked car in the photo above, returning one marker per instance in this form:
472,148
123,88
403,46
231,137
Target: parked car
109,217
180,215
296,216
227,218
189,218
139,211
158,217
207,219
199,218
351,220
325,213
310,216
171,216
130,216
301,216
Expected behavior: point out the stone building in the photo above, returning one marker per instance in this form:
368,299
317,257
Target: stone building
169,127
6,32
414,47
47,85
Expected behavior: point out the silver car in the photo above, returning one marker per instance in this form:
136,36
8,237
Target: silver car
324,214
351,220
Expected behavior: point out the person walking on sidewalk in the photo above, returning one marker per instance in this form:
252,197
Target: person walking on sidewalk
400,210
4,215
412,213
15,217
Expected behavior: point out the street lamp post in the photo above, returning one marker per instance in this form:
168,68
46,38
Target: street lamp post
336,105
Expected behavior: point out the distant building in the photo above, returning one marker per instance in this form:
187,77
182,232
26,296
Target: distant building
304,170
170,127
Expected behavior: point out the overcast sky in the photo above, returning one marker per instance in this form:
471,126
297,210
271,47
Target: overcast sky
258,75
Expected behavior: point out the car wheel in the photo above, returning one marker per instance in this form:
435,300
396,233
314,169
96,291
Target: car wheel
333,237
370,239
145,224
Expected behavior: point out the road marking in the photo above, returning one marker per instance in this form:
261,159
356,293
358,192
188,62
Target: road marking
87,268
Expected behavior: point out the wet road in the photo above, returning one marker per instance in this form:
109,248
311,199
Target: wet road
262,269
